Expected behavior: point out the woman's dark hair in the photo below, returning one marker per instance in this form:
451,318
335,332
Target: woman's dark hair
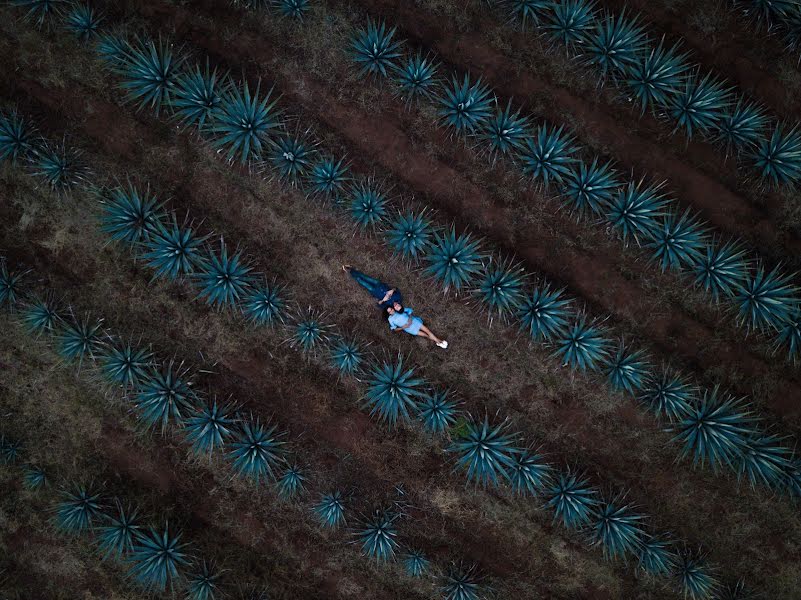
386,312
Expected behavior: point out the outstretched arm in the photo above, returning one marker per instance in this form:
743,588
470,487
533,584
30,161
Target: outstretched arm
387,296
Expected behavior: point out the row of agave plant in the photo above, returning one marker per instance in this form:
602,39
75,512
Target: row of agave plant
776,16
711,427
663,79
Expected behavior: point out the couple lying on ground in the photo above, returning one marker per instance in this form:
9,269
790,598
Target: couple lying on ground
391,302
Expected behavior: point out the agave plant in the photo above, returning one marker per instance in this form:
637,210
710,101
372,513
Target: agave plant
415,563
258,450
291,157
465,106
716,431
331,510
572,499
656,558
57,165
9,450
377,536
627,370
547,156
291,482
583,345
149,73
416,77
347,356
16,137
80,339
700,104
83,21
741,127
736,591
171,250
38,11
40,316
679,241
486,451
635,211
116,538
210,427
374,49
618,528
202,584
668,395
615,43
265,304
368,204
79,507
500,288
722,269
393,390
328,177
528,11
769,12
767,300
244,122
529,473
790,337
309,332
409,234
165,394
571,21
125,364
197,94
157,559
505,132
778,158
292,8
461,583
10,285
544,313
437,411
224,279
765,461
588,189
695,580
34,478
656,77
129,214
454,260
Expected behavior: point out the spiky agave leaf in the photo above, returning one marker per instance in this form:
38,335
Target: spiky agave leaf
116,537
544,313
657,76
529,473
626,370
722,268
58,165
486,451
347,356
291,483
416,77
465,106
129,214
767,300
165,394
291,157
740,127
157,559
38,11
149,73
790,337
716,431
203,583
34,478
171,250
368,204
197,94
548,154
618,528
570,21
16,136
331,510
736,591
82,21
454,260
377,536
615,43
329,176
461,583
572,499
778,158
265,304
375,49
656,557
668,395
635,211
124,363
112,48
309,332
415,563
769,12
210,427
244,122
583,345
504,132
695,580
40,316
409,234
500,288
765,460
79,339
10,285
393,390
679,241
527,11
588,189
437,411
258,450
294,9
9,450
224,279
700,104
79,507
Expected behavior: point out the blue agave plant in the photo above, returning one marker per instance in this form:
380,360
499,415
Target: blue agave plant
10,285
83,21
736,591
258,450
38,11
309,332
741,127
79,507
461,583
157,559
328,177
504,132
39,316
416,77
224,279
210,427
528,11
80,339
572,499
171,250
679,241
765,460
583,345
116,538
125,364
244,122
571,21
717,431
347,356
34,478
149,73
9,450
465,106
627,370
197,94
165,394
416,563
618,529
377,536
374,49
529,473
544,313
700,104
722,269
548,154
292,8
393,390
767,300
778,158
500,288
291,157
129,214
486,451
368,204
769,12
409,234
57,165
16,137
203,583
656,77
588,189
695,580
111,49
790,337
635,211
668,395
656,558
454,260
437,411
331,510
265,304
291,483
615,43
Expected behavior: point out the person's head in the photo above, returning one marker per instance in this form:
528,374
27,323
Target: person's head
397,307
392,309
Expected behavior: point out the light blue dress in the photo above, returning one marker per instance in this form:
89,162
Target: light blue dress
398,320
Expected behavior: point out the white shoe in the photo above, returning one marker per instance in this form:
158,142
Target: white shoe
442,344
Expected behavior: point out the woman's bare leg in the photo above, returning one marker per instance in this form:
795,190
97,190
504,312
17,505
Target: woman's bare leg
428,333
